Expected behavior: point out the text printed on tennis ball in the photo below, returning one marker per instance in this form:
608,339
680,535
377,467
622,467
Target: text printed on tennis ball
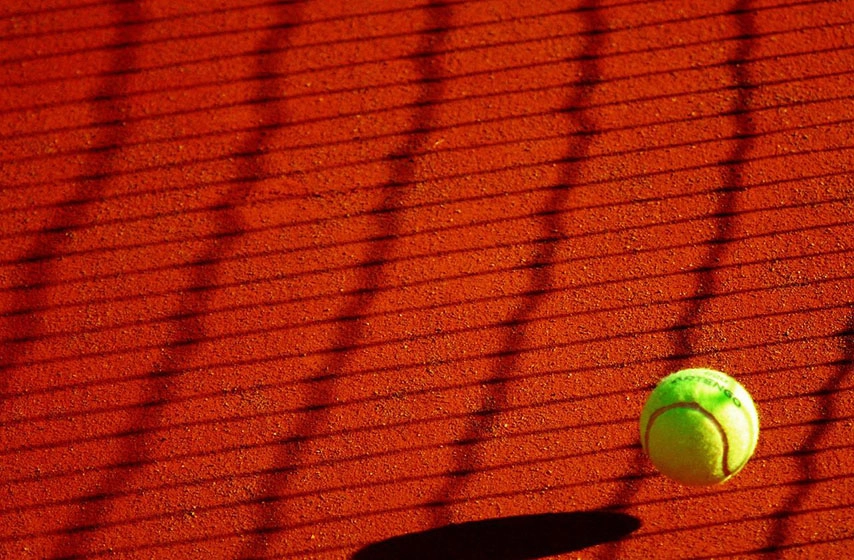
712,383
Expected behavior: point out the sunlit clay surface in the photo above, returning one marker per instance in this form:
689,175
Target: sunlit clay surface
393,279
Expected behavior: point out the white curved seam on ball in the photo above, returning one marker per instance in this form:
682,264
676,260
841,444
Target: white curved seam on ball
727,472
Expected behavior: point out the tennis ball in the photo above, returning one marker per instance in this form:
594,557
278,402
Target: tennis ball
699,426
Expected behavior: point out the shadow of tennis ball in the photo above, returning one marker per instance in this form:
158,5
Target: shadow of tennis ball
509,538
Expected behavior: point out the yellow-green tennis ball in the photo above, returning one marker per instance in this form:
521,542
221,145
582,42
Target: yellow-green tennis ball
699,426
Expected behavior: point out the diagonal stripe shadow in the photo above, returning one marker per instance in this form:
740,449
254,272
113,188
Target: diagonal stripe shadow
793,315
467,453
188,330
75,540
784,520
320,43
390,453
350,326
735,183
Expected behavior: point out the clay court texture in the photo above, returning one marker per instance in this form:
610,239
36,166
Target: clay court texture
393,279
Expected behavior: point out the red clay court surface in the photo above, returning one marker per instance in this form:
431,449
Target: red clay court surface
363,279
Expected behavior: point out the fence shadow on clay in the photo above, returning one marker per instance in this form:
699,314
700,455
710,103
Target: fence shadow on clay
745,133
540,282
273,97
23,338
220,259
176,140
43,258
732,178
629,334
356,16
349,324
355,346
115,483
829,395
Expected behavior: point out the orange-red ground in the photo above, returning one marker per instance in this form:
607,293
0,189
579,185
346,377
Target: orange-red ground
321,279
